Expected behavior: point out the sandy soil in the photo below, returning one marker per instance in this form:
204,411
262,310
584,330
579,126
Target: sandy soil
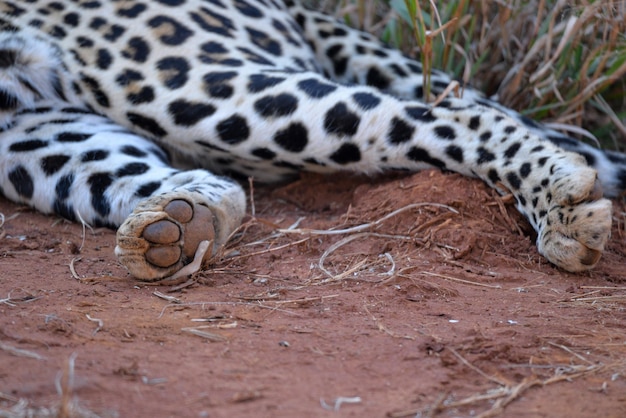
445,309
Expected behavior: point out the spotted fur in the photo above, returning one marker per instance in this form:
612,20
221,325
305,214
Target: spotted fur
111,110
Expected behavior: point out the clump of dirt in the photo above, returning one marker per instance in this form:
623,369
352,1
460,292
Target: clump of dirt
396,296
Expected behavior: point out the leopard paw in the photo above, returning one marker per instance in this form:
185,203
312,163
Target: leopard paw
578,224
163,234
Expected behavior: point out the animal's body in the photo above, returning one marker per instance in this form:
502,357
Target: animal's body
138,114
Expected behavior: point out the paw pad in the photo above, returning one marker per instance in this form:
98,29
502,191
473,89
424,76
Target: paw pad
159,240
179,210
163,233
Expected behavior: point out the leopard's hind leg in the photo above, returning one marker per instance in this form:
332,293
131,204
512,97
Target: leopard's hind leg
58,156
66,160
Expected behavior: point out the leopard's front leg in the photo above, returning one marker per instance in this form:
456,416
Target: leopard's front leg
555,189
576,224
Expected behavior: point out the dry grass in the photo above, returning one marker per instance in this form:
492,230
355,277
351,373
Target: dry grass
551,60
67,406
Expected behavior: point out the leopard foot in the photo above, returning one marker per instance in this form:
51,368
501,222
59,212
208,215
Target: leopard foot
163,234
578,223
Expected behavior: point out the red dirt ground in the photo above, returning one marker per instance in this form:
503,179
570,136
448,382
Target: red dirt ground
431,312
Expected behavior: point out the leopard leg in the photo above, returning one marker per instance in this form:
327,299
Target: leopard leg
267,119
64,159
348,55
306,122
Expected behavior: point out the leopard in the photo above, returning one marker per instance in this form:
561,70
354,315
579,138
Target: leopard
148,117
